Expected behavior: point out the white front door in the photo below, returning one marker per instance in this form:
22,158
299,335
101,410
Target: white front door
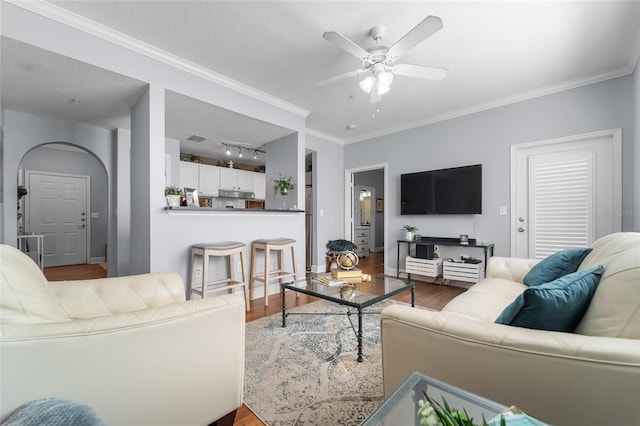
57,207
565,193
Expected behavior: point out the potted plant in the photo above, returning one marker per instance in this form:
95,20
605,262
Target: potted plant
283,185
173,193
410,230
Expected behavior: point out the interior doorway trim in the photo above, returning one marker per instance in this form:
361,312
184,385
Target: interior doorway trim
348,197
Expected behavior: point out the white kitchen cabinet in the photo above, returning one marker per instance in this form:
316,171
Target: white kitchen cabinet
245,180
189,175
209,180
260,185
236,180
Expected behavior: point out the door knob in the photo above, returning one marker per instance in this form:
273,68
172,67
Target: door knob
521,229
521,219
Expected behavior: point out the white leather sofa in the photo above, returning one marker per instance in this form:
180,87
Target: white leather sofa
590,377
130,347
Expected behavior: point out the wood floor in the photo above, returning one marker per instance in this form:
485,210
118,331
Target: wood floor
428,295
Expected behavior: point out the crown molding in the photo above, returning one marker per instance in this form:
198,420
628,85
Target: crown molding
65,17
324,136
485,106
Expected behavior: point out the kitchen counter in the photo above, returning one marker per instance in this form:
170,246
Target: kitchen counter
191,209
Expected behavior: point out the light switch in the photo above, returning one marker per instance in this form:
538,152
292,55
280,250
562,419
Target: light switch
94,215
503,210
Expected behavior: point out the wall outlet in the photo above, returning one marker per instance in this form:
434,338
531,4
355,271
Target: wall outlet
503,210
198,272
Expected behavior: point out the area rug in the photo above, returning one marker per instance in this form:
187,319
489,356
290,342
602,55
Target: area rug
307,373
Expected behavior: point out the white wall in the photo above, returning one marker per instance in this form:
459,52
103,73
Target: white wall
486,138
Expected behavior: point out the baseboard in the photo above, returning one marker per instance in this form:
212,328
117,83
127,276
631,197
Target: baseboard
96,260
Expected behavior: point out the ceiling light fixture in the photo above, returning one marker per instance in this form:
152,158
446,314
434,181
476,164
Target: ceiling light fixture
241,150
380,78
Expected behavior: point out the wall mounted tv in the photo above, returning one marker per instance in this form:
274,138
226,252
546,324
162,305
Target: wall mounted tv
447,191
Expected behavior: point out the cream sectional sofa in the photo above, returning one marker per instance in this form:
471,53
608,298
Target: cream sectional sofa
590,377
130,347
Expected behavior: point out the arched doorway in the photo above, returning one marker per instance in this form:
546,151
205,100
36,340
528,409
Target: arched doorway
66,201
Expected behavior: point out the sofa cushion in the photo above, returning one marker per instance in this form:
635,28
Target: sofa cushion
24,285
486,299
615,308
555,306
556,265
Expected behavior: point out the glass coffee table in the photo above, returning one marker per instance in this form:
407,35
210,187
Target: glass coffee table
356,295
402,406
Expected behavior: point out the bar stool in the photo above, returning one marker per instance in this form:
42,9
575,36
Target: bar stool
226,249
278,245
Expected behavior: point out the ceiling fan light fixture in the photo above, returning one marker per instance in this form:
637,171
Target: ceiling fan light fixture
367,84
382,89
385,78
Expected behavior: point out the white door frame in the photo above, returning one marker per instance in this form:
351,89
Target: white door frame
27,211
348,199
615,134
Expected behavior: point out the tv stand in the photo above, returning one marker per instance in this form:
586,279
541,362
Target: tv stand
443,241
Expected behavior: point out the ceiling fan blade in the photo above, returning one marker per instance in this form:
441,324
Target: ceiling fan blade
420,71
345,44
418,34
338,78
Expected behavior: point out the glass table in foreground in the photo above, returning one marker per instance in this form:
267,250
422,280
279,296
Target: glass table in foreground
357,295
401,408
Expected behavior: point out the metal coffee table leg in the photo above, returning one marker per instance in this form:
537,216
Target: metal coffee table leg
359,334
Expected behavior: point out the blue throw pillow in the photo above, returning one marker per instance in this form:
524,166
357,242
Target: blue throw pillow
555,306
555,266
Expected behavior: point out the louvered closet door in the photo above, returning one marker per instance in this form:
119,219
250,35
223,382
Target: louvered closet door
565,193
561,202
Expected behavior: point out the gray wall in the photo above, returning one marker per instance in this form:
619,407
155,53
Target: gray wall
24,132
282,157
159,241
486,138
328,191
636,152
78,163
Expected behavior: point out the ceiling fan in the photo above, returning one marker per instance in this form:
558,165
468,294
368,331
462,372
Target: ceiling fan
380,61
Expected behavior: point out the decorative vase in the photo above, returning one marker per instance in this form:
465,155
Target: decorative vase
173,200
284,193
409,236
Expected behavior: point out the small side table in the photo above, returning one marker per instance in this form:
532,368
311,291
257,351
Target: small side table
401,407
26,244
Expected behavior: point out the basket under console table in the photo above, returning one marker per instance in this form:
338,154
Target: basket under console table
449,270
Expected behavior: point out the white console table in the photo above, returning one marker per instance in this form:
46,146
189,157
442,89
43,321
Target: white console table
487,248
33,246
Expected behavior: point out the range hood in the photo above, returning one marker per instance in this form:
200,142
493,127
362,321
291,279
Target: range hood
244,195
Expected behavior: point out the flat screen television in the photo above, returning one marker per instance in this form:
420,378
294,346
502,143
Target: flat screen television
456,190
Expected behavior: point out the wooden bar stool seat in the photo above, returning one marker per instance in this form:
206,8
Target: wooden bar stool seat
204,285
279,245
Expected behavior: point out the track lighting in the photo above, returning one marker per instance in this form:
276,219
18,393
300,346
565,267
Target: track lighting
242,150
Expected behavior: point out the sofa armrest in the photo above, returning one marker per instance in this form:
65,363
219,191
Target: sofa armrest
561,378
184,369
509,268
106,296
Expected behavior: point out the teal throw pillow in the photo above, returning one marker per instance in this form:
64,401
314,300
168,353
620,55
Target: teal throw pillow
555,266
555,306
